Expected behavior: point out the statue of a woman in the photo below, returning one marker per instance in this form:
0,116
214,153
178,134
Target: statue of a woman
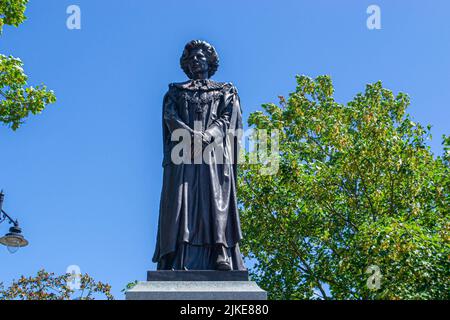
199,226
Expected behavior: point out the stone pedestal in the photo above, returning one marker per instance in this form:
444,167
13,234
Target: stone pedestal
196,285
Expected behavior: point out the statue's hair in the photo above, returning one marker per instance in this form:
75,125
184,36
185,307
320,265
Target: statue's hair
208,49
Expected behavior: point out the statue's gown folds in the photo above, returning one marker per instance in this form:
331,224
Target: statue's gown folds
198,208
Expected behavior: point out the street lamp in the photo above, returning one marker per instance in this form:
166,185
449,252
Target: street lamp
14,239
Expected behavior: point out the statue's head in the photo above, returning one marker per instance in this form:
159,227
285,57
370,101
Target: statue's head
199,60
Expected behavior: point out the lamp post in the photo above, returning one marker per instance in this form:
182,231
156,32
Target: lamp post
14,239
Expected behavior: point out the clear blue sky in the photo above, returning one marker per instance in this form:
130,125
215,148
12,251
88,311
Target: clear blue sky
84,177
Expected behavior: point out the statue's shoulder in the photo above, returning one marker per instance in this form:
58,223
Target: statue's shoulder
175,88
203,85
231,86
223,86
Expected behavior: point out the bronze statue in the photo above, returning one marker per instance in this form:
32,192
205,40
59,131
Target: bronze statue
199,227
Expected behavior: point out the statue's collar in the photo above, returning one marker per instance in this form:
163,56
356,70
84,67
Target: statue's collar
203,84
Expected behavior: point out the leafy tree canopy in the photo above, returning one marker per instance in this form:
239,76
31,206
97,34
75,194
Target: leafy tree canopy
357,186
12,12
17,99
47,286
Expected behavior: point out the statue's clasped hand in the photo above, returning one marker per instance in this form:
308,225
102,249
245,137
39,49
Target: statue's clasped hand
200,141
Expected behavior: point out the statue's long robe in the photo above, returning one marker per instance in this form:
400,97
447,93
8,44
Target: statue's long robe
198,208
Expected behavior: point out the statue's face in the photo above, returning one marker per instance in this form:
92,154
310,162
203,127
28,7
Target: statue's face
198,63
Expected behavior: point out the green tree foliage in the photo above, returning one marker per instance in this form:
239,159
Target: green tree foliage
357,186
17,99
47,286
12,12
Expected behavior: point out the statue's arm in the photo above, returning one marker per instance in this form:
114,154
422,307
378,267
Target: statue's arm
170,115
229,114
